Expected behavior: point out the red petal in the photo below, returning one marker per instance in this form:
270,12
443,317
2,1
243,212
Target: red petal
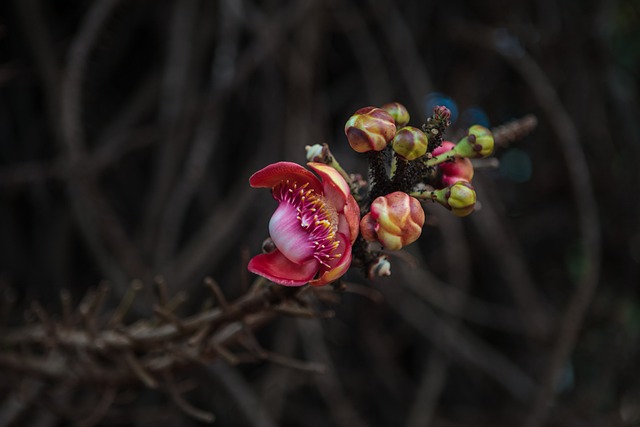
277,268
350,219
273,174
368,228
339,266
336,189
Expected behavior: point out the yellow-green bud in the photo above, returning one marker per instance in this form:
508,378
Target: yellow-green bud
460,198
370,129
410,143
478,143
398,112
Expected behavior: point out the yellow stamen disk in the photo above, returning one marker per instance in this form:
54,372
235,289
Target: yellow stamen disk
315,215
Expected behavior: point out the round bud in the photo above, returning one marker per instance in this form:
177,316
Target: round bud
268,246
382,267
478,143
398,112
317,153
461,198
442,113
370,129
458,169
395,220
410,143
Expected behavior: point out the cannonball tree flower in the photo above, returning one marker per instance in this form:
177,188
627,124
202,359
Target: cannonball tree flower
395,220
313,228
457,169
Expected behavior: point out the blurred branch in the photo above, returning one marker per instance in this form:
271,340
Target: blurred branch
406,54
329,385
461,344
506,46
435,370
205,140
511,262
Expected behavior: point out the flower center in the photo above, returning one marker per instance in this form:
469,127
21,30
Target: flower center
304,226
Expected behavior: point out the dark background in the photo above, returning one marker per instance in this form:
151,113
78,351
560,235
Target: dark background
128,131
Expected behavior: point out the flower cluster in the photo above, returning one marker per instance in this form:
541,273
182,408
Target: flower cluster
326,220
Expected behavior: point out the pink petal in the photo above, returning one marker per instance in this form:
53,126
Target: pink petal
273,174
349,221
338,266
288,235
336,189
277,268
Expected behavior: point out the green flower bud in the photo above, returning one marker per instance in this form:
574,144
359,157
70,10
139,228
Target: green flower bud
398,112
370,129
410,143
478,143
460,198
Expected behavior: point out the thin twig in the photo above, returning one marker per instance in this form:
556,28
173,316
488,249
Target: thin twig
189,409
137,368
100,410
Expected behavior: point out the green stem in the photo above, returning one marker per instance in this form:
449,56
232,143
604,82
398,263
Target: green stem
334,164
424,195
394,167
446,156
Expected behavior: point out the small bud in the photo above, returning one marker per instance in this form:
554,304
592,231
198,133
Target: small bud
478,143
398,112
382,267
460,198
457,169
440,112
370,129
268,246
317,153
395,220
410,143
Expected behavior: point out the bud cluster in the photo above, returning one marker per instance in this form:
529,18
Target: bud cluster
422,166
347,217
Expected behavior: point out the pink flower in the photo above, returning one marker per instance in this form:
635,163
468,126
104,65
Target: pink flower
313,228
460,169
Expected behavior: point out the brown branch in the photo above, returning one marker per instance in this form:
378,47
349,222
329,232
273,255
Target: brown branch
139,343
515,130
